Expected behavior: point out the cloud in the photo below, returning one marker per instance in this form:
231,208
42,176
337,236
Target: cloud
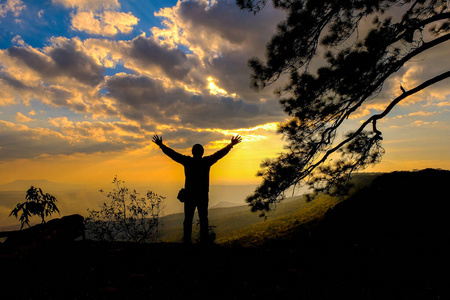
20,141
208,29
423,113
420,113
429,64
445,103
143,55
144,99
64,59
420,123
99,17
185,138
21,118
16,91
107,23
62,74
122,22
8,86
87,5
187,88
222,38
99,131
13,6
145,52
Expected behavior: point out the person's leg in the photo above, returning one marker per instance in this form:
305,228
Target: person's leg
189,209
203,216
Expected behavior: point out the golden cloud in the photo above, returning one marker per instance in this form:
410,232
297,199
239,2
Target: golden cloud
13,6
251,134
198,26
86,21
420,123
107,23
214,89
445,103
22,118
105,52
97,131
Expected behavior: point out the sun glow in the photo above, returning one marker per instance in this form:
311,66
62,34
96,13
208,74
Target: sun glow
249,134
214,89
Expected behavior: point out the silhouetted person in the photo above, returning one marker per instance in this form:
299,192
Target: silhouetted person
196,171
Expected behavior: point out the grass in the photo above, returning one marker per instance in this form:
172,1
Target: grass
283,223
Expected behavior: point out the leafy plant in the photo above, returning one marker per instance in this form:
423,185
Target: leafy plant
127,217
36,203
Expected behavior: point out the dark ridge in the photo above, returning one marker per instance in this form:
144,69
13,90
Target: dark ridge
399,208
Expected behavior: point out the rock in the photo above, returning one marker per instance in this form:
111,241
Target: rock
65,229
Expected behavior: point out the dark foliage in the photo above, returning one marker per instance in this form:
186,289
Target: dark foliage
127,217
355,70
36,204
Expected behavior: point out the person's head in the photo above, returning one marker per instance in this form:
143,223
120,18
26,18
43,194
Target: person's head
197,150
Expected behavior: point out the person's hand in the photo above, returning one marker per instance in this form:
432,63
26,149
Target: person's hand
236,140
157,140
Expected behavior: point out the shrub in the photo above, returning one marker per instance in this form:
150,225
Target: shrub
127,217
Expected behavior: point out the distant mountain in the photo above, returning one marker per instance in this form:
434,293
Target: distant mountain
222,204
23,185
45,185
233,195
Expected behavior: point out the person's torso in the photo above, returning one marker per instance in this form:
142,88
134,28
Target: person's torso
197,172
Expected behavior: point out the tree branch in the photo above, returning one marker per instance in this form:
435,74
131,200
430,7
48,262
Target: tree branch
394,68
374,118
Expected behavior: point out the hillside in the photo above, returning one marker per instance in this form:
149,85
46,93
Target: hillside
238,225
226,221
400,208
389,240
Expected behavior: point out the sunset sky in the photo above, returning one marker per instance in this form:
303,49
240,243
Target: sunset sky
84,85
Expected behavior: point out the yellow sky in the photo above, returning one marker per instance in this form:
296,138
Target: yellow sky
150,166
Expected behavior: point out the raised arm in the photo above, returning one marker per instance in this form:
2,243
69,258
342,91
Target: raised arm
224,151
179,158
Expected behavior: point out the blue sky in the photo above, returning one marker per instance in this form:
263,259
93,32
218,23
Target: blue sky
40,20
